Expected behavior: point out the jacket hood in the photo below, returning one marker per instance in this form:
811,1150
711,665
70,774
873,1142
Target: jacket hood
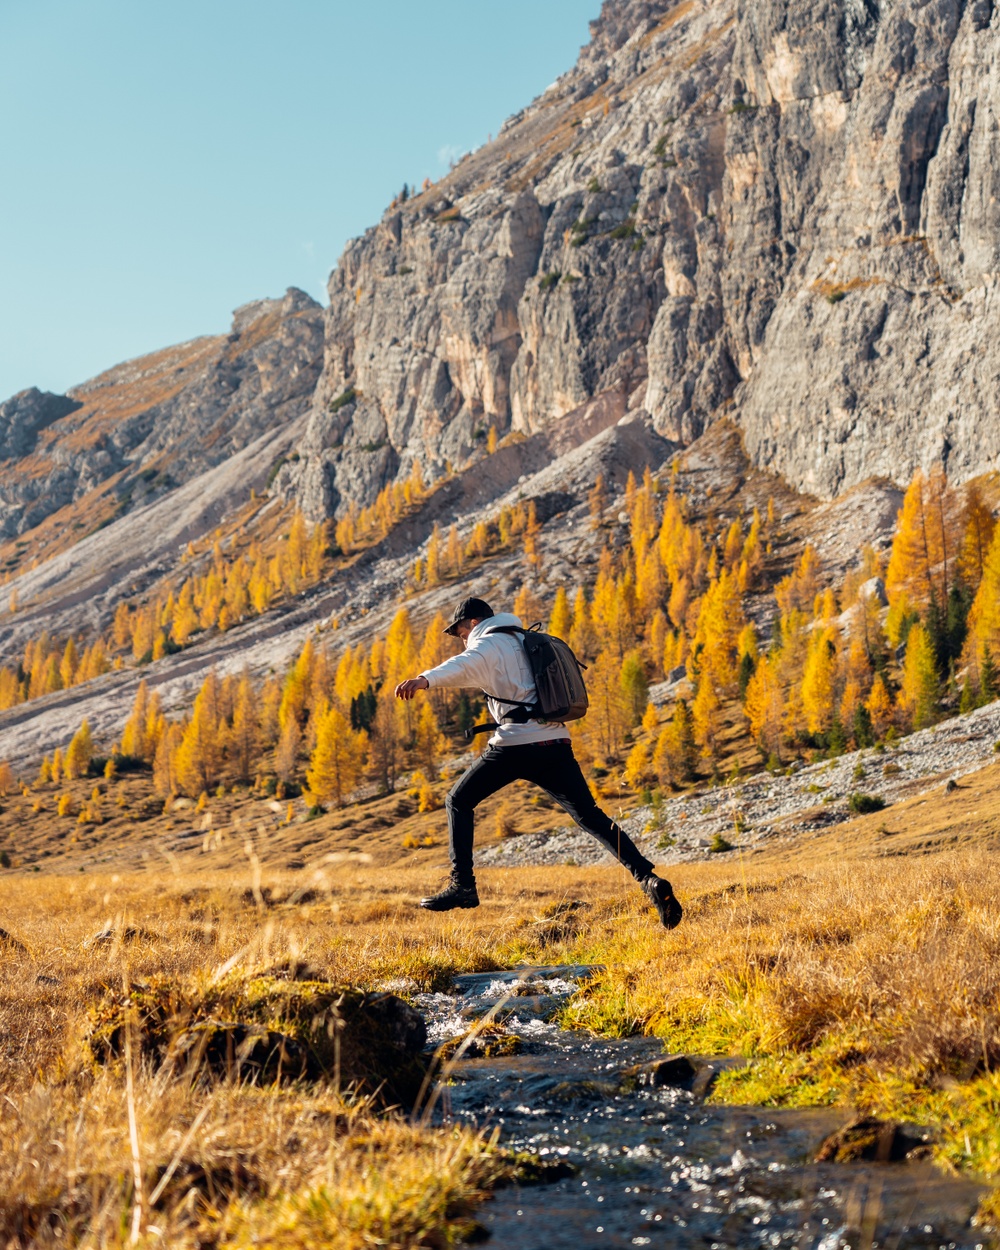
491,622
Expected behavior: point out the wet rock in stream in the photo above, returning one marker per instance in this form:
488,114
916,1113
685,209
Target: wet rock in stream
882,1141
641,1160
696,1073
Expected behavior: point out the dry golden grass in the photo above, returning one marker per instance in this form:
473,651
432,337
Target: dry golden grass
878,964
858,967
299,1166
136,829
230,1166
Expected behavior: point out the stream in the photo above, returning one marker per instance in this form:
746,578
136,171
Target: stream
640,1164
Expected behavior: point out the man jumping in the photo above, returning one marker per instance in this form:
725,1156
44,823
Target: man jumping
533,750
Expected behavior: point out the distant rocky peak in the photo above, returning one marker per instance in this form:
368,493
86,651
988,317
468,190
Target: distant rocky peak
294,300
25,415
620,21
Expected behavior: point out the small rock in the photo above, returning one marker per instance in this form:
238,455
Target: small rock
874,588
9,942
107,935
696,1073
676,1070
532,1170
583,1091
491,1042
879,1141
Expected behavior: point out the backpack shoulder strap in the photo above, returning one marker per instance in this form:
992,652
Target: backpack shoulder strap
520,712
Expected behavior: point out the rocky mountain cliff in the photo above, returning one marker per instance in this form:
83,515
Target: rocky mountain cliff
784,213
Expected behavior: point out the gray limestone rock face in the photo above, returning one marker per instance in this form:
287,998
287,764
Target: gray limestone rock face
575,256
783,213
421,335
876,356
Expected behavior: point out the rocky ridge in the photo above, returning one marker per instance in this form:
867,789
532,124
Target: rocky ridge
154,424
783,213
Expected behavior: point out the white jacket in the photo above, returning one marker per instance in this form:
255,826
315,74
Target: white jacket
497,665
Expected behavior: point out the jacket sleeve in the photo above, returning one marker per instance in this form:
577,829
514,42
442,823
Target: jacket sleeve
470,668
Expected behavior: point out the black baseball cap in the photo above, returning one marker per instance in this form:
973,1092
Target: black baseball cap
469,610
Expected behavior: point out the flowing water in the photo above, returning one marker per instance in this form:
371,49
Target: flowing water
658,1166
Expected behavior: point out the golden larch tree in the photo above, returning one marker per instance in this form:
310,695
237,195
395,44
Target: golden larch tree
984,615
797,592
337,761
134,733
69,665
608,718
79,752
164,771
879,706
244,736
433,562
583,636
920,691
764,707
453,553
198,759
924,548
428,742
298,687
819,681
978,524
597,501
674,755
286,753
561,620
634,687
720,623
706,714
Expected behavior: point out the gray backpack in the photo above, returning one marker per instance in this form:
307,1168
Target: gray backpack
560,692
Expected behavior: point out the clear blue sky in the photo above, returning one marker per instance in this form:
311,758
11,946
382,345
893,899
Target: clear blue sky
164,162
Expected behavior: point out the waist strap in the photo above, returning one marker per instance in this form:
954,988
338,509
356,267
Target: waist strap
544,742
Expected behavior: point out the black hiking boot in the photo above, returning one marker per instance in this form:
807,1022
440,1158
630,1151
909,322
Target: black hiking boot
660,893
455,894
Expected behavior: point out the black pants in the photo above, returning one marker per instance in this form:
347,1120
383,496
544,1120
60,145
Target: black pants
554,768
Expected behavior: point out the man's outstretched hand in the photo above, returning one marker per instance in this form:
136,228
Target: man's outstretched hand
407,689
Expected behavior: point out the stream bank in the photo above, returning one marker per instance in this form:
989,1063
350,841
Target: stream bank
641,1164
